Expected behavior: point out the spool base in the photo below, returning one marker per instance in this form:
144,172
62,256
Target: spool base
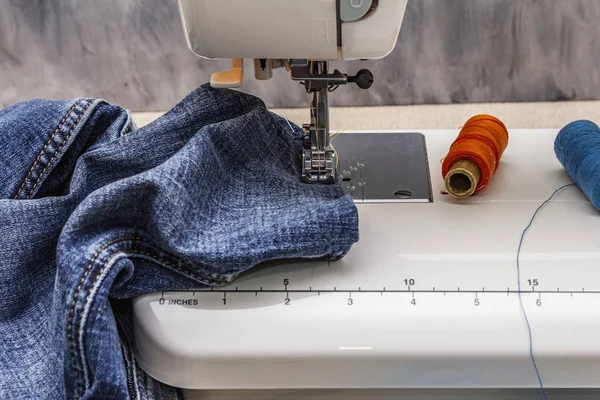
462,178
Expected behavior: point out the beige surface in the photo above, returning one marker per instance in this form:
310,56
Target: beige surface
514,115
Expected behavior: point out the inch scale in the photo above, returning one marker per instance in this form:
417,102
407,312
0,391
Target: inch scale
187,297
426,299
370,337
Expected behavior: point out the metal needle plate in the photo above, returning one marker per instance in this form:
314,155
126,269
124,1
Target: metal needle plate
384,167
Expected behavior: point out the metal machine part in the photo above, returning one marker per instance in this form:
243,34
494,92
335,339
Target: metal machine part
377,167
263,67
319,164
318,158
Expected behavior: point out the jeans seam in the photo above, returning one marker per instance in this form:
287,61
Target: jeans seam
71,315
75,357
128,129
57,152
43,151
130,372
128,358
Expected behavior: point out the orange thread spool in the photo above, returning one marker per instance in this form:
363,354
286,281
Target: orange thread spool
475,155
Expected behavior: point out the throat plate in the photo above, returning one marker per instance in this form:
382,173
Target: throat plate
384,167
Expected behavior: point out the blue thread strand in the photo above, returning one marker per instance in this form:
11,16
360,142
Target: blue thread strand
537,371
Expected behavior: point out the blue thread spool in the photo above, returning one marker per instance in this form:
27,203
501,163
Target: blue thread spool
577,147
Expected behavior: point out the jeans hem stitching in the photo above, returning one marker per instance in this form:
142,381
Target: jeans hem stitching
28,177
57,152
209,279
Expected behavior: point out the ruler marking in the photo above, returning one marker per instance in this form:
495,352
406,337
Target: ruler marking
335,290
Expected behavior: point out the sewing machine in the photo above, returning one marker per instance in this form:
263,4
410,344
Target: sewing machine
301,36
429,296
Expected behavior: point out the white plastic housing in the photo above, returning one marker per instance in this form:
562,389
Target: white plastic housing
461,324
278,29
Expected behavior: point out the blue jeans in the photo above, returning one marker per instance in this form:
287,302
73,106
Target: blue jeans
94,211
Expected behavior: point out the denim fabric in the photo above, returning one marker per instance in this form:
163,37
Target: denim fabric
95,211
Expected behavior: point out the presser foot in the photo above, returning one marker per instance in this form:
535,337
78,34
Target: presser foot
318,166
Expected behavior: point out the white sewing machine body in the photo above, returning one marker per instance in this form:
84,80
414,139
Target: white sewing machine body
287,29
427,298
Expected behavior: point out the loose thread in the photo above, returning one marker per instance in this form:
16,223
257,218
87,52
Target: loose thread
288,122
531,354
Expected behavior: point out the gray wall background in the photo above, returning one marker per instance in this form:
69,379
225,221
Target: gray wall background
133,53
